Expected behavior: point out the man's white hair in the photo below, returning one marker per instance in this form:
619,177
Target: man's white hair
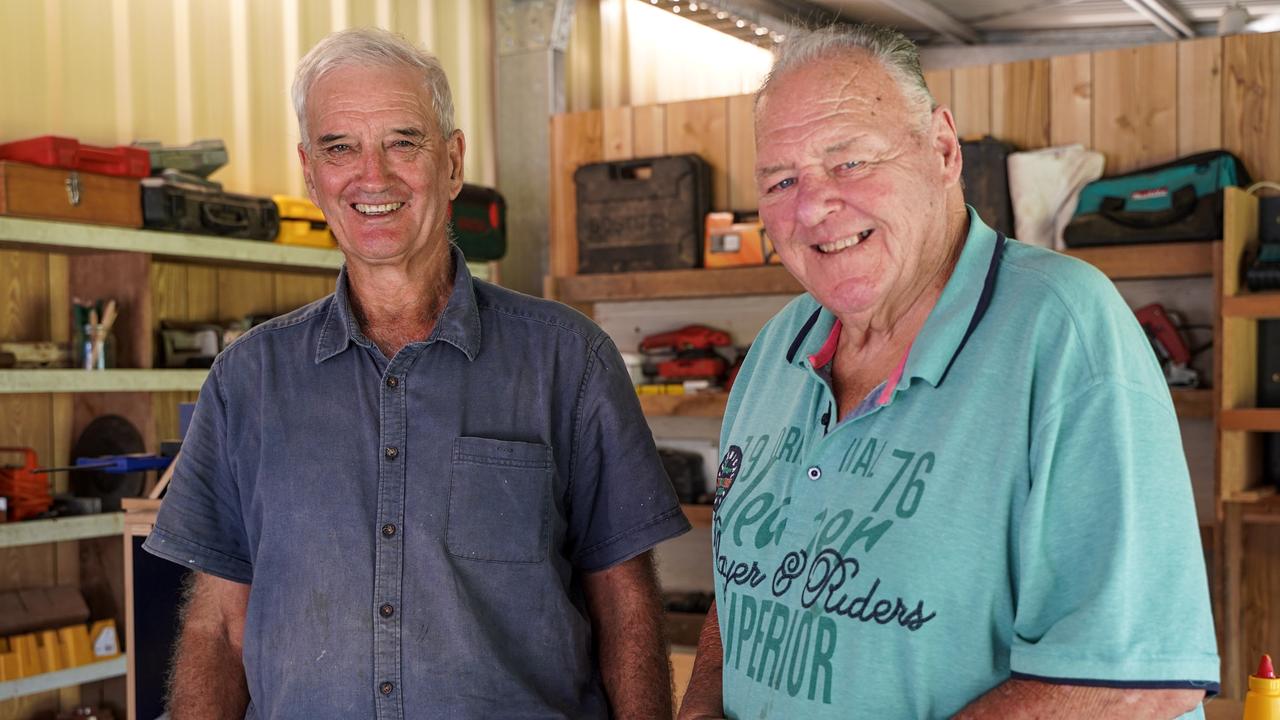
363,47
895,52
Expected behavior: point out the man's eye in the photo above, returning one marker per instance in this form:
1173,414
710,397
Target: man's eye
403,144
338,149
851,165
782,184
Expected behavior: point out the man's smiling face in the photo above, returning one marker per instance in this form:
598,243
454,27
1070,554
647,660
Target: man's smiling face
851,186
377,164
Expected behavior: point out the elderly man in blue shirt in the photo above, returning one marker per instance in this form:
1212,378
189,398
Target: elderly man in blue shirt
422,496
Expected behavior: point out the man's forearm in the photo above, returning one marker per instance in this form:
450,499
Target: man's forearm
704,696
1030,699
631,645
206,677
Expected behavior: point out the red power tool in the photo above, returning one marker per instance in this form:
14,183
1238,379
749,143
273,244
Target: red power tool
26,489
686,354
1170,348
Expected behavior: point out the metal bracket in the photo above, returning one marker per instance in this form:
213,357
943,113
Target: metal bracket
525,25
73,188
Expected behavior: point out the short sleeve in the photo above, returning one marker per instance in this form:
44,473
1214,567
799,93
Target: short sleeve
200,524
1111,585
621,502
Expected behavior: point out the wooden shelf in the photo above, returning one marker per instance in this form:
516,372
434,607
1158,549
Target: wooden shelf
34,532
1260,505
1157,260
77,381
699,515
1252,305
1250,419
1196,403
61,237
707,404
677,284
92,672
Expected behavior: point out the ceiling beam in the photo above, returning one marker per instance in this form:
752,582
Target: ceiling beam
930,16
1164,16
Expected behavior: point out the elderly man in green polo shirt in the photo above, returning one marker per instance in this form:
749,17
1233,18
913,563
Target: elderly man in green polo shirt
953,482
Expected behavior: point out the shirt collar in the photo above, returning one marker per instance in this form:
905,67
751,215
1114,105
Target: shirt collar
458,325
954,317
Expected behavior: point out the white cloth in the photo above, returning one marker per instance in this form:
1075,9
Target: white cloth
1045,185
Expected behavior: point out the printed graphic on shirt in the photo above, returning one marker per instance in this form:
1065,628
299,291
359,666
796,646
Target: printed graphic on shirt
787,602
727,473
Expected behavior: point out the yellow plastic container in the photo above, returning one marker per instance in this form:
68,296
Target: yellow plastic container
1263,700
106,644
302,223
76,648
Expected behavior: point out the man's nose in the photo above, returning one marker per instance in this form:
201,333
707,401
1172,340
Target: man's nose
816,198
374,171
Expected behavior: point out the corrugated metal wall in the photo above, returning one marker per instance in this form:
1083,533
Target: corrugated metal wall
112,71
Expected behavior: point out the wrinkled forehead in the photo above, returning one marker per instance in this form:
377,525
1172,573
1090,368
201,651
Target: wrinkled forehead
845,82
367,89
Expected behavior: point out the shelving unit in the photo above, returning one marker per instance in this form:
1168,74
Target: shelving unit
100,381
63,237
33,532
92,672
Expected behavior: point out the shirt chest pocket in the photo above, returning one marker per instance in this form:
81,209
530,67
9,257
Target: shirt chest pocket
499,500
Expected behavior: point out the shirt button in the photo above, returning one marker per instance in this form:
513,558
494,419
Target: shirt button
393,381
391,453
386,610
388,530
815,473
386,688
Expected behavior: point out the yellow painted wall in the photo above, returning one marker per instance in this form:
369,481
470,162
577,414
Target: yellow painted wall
112,71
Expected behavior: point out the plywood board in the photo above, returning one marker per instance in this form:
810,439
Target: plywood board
245,292
1251,102
293,290
1199,95
1135,106
576,139
124,278
24,293
616,125
939,82
701,127
971,101
649,130
1020,103
1071,100
742,153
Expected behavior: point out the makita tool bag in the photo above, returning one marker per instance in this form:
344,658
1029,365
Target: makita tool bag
1179,201
479,217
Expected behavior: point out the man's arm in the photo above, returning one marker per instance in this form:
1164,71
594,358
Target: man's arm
1028,699
704,699
207,676
626,615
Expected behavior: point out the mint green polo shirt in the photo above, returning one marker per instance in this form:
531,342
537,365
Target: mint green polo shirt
1015,505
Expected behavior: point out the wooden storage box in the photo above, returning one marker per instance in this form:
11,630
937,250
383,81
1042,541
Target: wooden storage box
54,194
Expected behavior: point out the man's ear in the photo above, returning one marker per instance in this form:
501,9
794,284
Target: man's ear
306,173
456,147
945,142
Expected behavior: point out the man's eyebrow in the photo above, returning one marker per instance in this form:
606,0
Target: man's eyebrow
839,147
330,137
771,169
412,132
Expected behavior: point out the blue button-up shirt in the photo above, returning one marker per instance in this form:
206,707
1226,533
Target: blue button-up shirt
416,530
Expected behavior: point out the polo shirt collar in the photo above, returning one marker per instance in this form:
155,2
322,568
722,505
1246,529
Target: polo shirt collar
458,325
956,315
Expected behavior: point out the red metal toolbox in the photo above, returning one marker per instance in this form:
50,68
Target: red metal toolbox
70,154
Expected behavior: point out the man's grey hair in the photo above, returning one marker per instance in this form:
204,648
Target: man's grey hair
363,47
895,52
